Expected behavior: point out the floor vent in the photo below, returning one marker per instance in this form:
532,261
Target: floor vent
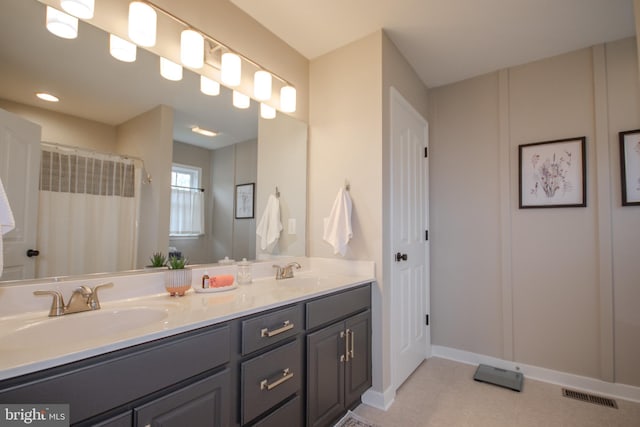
590,398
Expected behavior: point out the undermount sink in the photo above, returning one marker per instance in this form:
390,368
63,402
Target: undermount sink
73,328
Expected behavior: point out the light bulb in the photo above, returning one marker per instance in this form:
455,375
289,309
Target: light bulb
82,9
122,49
288,99
192,49
142,24
240,100
267,111
170,70
262,85
231,69
209,87
61,24
47,97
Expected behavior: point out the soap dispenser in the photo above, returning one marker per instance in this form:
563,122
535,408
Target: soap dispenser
244,272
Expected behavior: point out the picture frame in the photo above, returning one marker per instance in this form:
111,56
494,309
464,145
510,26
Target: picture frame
630,167
244,200
552,174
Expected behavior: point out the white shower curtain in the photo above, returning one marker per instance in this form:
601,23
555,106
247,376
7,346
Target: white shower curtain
88,213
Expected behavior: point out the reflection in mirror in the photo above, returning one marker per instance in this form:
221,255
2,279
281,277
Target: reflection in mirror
117,114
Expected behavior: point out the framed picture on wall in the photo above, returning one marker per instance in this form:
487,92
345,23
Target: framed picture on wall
630,167
552,174
244,200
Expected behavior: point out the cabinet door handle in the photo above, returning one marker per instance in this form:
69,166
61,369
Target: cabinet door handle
286,376
346,344
351,350
286,325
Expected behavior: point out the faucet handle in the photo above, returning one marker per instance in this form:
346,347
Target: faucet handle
57,305
93,299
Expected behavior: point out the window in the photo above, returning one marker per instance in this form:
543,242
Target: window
187,202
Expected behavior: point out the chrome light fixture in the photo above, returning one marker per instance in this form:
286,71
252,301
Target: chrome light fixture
61,24
170,70
192,49
288,99
82,9
209,87
231,69
262,85
240,100
122,49
142,24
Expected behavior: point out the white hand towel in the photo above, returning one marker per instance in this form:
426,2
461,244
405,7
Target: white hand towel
337,226
269,227
7,222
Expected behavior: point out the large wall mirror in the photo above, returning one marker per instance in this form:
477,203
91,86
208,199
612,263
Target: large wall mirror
116,133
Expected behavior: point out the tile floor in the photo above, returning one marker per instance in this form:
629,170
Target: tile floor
442,393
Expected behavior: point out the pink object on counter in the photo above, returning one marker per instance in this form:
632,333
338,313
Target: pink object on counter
221,280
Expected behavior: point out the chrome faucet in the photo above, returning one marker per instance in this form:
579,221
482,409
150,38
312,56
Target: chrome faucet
83,298
286,272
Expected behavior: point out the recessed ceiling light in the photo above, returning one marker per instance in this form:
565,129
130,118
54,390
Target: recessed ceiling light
47,97
204,132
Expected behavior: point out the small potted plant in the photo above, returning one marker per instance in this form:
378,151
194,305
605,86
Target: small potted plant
178,276
158,259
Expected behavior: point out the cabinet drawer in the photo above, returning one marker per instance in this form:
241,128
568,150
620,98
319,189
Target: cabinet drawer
259,332
289,414
334,307
269,379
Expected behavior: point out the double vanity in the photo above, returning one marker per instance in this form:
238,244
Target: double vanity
295,351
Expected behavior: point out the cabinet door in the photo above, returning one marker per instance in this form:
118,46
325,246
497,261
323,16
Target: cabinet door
325,375
358,367
202,404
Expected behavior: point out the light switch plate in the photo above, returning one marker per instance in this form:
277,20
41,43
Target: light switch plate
292,226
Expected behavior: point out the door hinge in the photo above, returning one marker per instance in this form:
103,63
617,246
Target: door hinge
426,152
426,320
426,234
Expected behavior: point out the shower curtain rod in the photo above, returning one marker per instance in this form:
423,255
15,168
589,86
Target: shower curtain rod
90,150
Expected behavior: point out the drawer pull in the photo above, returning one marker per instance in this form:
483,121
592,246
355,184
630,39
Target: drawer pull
351,352
286,376
266,333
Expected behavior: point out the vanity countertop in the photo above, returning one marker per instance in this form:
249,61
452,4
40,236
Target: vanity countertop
27,347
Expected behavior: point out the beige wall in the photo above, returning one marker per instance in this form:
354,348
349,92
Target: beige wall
65,129
346,144
244,229
349,125
532,285
150,137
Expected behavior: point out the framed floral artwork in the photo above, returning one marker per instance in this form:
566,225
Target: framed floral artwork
552,174
630,167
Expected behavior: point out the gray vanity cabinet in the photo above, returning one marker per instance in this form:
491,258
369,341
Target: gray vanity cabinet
203,403
338,354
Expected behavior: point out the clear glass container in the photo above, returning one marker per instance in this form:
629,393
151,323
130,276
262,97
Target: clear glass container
244,272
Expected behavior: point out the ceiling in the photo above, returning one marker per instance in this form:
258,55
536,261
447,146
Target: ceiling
449,40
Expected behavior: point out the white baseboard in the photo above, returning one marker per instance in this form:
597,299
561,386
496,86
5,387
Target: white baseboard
592,385
379,400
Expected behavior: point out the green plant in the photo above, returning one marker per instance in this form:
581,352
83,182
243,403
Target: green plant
177,263
158,259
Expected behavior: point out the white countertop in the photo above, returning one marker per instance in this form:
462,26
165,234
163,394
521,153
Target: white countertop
174,314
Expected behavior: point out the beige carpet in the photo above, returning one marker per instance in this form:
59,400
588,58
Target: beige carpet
442,393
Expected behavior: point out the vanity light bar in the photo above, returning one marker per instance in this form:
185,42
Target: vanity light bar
288,105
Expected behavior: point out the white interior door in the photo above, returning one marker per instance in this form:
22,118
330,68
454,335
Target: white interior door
410,340
19,171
